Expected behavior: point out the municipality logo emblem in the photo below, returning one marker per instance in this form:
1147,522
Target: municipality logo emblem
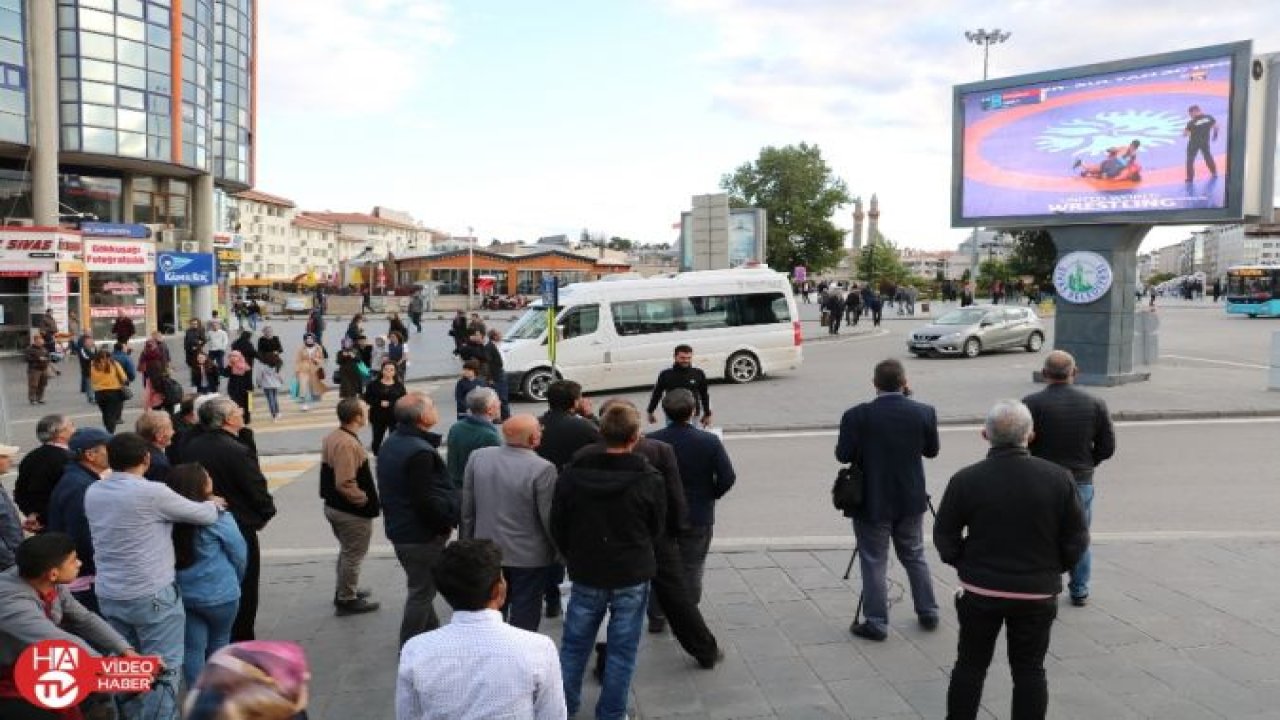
1082,277
173,263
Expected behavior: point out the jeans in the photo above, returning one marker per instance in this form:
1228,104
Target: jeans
525,587
86,387
1079,584
587,606
273,400
417,559
152,625
208,629
353,533
1027,624
219,358
694,545
873,556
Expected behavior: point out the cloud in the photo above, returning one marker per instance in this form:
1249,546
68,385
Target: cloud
347,57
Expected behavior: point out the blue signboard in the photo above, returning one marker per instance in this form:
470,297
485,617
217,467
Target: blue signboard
115,230
550,291
175,268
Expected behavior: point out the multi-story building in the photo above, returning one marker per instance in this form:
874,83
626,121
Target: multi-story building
281,245
927,264
122,111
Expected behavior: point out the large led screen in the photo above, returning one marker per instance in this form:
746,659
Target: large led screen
1146,140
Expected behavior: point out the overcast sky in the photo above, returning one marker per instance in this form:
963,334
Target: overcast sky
522,119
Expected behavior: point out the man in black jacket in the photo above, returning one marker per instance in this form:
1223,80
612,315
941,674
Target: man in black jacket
706,474
682,374
42,468
607,516
1072,429
1011,525
493,367
565,430
889,437
233,466
420,506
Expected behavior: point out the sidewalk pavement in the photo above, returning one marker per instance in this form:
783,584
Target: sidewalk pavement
1176,628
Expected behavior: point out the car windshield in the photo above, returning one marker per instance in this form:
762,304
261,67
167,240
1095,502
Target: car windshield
530,325
966,316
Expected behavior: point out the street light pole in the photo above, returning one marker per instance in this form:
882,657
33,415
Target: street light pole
986,38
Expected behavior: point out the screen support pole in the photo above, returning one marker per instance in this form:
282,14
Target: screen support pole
1100,334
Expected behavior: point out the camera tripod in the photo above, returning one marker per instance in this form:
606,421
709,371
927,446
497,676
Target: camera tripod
848,570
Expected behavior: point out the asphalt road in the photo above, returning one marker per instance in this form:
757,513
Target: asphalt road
1168,479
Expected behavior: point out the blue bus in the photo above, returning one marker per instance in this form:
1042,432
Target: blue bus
1253,290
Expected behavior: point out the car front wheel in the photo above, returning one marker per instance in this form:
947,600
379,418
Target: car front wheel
972,347
1035,342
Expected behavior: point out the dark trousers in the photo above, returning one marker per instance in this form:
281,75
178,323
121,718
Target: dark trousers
89,599
418,559
555,576
111,403
525,587
379,432
833,326
19,709
416,319
682,613
694,545
247,614
875,315
1027,624
1194,149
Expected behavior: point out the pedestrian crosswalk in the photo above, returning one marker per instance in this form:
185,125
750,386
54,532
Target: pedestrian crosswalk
282,470
320,414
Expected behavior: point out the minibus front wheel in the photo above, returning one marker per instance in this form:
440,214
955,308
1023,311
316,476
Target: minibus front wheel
535,383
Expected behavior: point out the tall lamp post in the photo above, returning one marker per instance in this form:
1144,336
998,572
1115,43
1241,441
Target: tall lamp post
985,39
471,268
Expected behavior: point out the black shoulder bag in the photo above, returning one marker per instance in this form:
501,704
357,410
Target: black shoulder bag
847,490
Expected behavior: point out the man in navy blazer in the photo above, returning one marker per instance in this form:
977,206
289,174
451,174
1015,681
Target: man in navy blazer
889,437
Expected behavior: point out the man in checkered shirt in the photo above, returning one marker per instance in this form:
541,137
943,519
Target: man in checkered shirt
477,666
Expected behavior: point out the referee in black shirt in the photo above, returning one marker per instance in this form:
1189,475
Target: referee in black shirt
682,374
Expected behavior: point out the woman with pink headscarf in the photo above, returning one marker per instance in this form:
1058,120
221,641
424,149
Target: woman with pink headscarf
261,679
239,381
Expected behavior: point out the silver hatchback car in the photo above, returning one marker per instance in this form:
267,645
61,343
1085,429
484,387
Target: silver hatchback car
972,330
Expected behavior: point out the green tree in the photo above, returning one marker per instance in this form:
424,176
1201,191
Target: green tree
799,192
880,261
990,271
620,243
1033,254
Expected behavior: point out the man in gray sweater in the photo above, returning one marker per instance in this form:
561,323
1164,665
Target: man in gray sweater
131,520
506,498
36,604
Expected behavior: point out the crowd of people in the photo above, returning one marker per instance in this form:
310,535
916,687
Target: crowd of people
147,541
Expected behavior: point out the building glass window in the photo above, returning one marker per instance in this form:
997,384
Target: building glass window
15,193
113,293
15,300
91,195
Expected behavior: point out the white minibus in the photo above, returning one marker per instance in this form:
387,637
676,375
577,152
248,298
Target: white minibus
621,333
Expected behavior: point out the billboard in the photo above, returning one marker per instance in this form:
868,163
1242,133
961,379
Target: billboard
1152,139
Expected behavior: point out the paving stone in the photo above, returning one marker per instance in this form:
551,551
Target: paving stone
815,578
794,610
1166,706
771,584
749,560
838,662
869,698
800,700
927,697
743,615
898,661
758,643
794,559
771,672
732,703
